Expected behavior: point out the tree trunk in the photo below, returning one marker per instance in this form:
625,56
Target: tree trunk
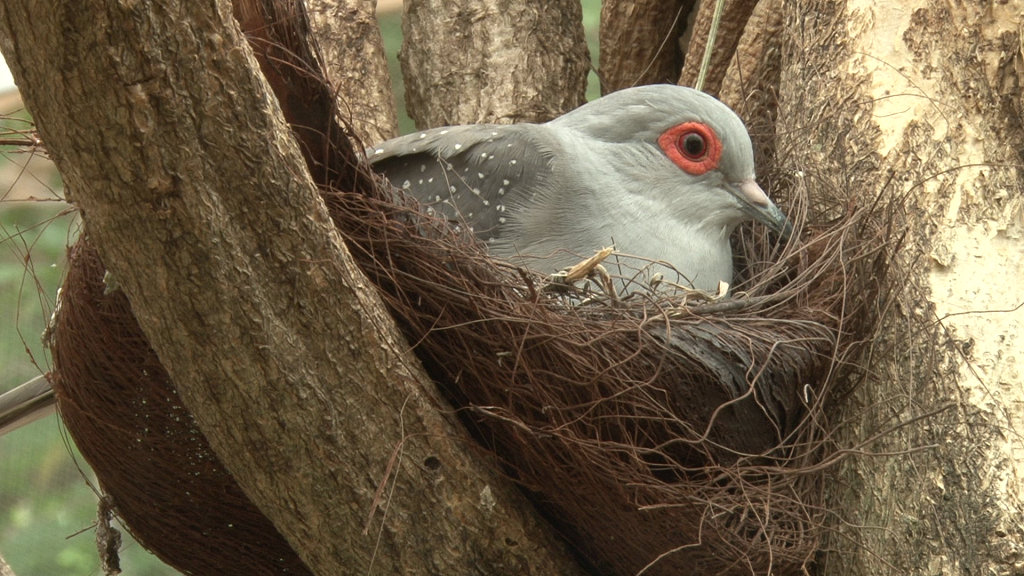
751,81
733,21
492,61
357,65
921,101
640,42
193,188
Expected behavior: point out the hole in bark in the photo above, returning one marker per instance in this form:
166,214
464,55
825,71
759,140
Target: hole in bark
432,463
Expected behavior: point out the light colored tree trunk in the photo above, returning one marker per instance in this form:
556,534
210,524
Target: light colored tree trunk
920,99
357,65
492,61
194,190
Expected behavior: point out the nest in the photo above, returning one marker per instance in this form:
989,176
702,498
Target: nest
659,436
164,480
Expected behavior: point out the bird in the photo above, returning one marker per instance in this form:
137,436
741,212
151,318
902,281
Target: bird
663,173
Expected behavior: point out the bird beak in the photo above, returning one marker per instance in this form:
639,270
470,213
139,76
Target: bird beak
757,204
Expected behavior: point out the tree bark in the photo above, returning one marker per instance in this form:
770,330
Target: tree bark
750,86
920,100
735,14
754,68
492,61
357,65
191,185
640,42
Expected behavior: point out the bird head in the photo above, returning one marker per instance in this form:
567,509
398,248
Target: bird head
692,150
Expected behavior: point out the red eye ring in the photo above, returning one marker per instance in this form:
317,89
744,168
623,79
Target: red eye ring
677,143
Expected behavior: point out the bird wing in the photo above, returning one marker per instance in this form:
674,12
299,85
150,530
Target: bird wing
479,176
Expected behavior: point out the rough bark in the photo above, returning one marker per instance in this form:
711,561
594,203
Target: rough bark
194,190
750,85
735,14
640,42
493,61
921,100
754,68
357,65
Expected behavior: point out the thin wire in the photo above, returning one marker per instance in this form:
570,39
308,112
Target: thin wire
709,47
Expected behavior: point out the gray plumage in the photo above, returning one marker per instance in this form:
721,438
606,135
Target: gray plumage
547,195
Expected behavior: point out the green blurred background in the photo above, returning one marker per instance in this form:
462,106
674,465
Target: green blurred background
47,503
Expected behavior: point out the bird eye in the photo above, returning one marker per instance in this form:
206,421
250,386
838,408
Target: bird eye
692,145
